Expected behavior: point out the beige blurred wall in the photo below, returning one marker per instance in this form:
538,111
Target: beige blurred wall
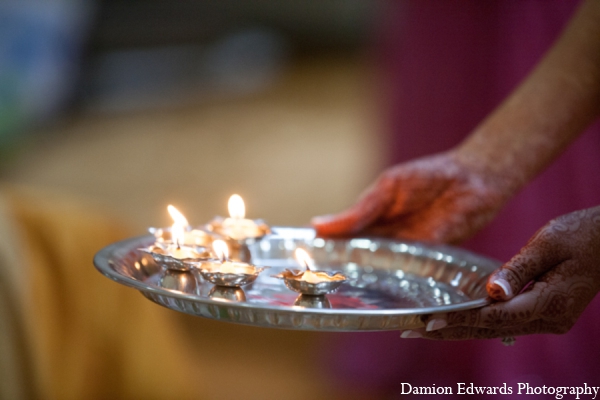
304,147
307,146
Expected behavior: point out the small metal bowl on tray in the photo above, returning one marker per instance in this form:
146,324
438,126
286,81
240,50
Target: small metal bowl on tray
293,280
210,270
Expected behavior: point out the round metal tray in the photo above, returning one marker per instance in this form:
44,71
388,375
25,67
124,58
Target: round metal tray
391,283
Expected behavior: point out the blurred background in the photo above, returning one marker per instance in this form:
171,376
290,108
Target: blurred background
138,104
122,107
110,110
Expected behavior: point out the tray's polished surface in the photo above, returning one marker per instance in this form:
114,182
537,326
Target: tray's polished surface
391,283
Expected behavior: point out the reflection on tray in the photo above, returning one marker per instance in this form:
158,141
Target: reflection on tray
235,294
309,301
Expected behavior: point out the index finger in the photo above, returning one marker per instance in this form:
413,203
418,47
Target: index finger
542,253
367,210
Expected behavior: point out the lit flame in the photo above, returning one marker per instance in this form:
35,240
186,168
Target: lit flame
177,216
180,224
221,249
236,207
304,259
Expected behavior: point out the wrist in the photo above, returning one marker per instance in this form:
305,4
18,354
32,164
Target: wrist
493,170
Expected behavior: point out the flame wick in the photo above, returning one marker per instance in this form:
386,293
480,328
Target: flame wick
220,247
306,265
180,224
303,258
177,216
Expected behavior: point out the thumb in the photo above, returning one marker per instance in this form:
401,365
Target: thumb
540,254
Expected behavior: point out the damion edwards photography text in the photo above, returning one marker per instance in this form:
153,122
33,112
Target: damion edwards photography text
559,392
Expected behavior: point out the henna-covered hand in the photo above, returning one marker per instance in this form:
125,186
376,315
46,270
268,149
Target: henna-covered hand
437,198
561,264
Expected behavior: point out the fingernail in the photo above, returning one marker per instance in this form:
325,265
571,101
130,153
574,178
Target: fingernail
322,219
436,324
410,335
505,286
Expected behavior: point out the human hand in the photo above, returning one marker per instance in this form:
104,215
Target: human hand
563,261
437,198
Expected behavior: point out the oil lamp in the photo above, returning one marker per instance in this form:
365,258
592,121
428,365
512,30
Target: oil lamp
224,272
182,232
237,227
175,253
310,281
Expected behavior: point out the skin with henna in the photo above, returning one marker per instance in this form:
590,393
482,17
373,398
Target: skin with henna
438,199
448,197
560,264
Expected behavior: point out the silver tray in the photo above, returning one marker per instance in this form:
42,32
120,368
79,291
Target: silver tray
391,285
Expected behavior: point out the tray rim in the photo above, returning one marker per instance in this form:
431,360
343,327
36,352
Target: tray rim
102,263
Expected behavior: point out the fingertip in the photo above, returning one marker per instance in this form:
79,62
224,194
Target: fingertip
411,334
322,220
344,223
331,225
499,289
436,324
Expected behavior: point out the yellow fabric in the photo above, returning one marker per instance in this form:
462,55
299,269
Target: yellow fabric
14,360
77,335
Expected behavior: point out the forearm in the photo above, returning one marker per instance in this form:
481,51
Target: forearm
546,112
